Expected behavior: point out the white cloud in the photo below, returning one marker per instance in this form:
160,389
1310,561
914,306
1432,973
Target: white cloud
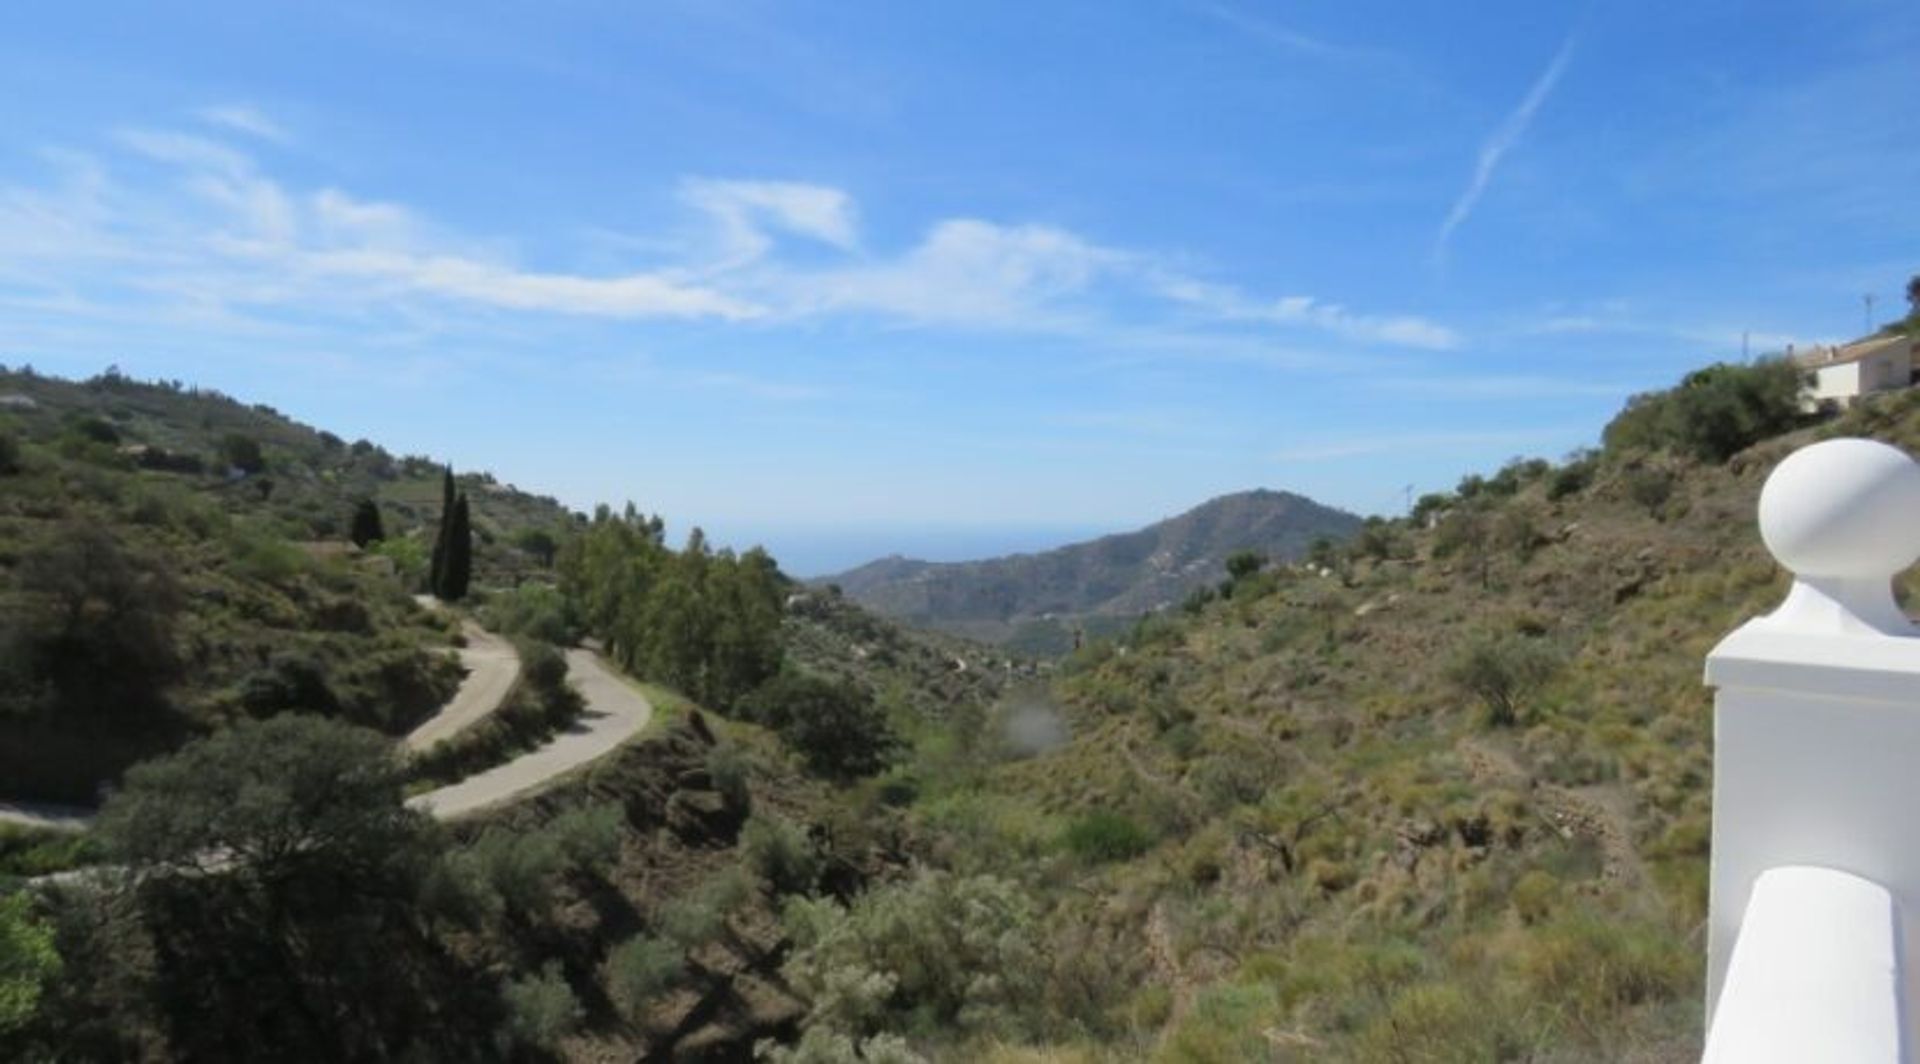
243,118
1502,141
740,208
968,272
1229,303
196,219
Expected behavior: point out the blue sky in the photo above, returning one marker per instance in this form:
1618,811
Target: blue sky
854,277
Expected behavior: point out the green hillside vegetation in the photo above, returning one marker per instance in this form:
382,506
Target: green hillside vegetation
147,597
1439,793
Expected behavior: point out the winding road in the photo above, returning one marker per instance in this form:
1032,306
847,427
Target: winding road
615,712
492,667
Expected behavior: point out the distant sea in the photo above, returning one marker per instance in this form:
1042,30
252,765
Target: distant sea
811,551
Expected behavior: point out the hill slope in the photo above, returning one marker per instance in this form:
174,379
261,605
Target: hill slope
1034,601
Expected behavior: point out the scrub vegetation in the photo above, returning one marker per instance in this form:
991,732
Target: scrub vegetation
1438,792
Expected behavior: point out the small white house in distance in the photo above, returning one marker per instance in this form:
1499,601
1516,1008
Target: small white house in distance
1843,374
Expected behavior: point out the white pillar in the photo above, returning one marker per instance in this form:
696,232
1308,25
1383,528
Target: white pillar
1817,712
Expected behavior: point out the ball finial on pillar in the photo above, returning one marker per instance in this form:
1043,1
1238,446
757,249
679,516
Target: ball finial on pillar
1844,516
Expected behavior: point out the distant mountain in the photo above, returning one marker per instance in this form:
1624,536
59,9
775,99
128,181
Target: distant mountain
1035,601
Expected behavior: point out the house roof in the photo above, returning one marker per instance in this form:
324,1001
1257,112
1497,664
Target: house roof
1853,352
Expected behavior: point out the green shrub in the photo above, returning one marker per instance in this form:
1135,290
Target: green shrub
956,954
541,1009
27,961
1590,968
9,454
641,969
700,915
835,726
1106,836
1714,412
730,770
589,837
781,853
508,871
1502,671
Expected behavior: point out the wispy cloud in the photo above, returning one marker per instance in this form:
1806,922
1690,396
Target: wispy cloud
1276,33
1227,302
197,219
243,118
741,209
1502,141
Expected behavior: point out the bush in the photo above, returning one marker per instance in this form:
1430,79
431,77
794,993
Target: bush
589,838
27,961
781,853
1714,412
1105,836
242,452
537,611
956,954
1502,671
1650,489
541,1009
641,969
1572,477
729,769
9,454
508,871
834,725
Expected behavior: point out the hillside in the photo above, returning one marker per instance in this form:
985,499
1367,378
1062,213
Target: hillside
1036,602
1447,799
1440,795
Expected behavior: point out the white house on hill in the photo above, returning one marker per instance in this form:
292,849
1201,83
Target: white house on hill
1843,374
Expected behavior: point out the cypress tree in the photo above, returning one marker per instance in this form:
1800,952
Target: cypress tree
367,526
459,569
437,568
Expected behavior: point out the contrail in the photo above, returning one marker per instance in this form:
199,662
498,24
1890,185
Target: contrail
1503,138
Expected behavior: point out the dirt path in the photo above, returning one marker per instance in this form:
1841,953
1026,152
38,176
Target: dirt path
615,713
492,667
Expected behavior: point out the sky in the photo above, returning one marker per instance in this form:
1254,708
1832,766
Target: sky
948,279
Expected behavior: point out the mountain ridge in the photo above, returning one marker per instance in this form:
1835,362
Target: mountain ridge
1037,600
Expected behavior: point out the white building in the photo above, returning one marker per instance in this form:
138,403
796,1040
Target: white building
1843,374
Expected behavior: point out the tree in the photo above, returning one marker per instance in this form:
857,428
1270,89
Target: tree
9,454
1714,412
282,882
1243,563
437,568
835,726
459,564
242,452
262,801
367,527
539,544
1913,296
99,625
1503,671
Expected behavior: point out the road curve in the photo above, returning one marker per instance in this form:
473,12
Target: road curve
615,712
492,667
